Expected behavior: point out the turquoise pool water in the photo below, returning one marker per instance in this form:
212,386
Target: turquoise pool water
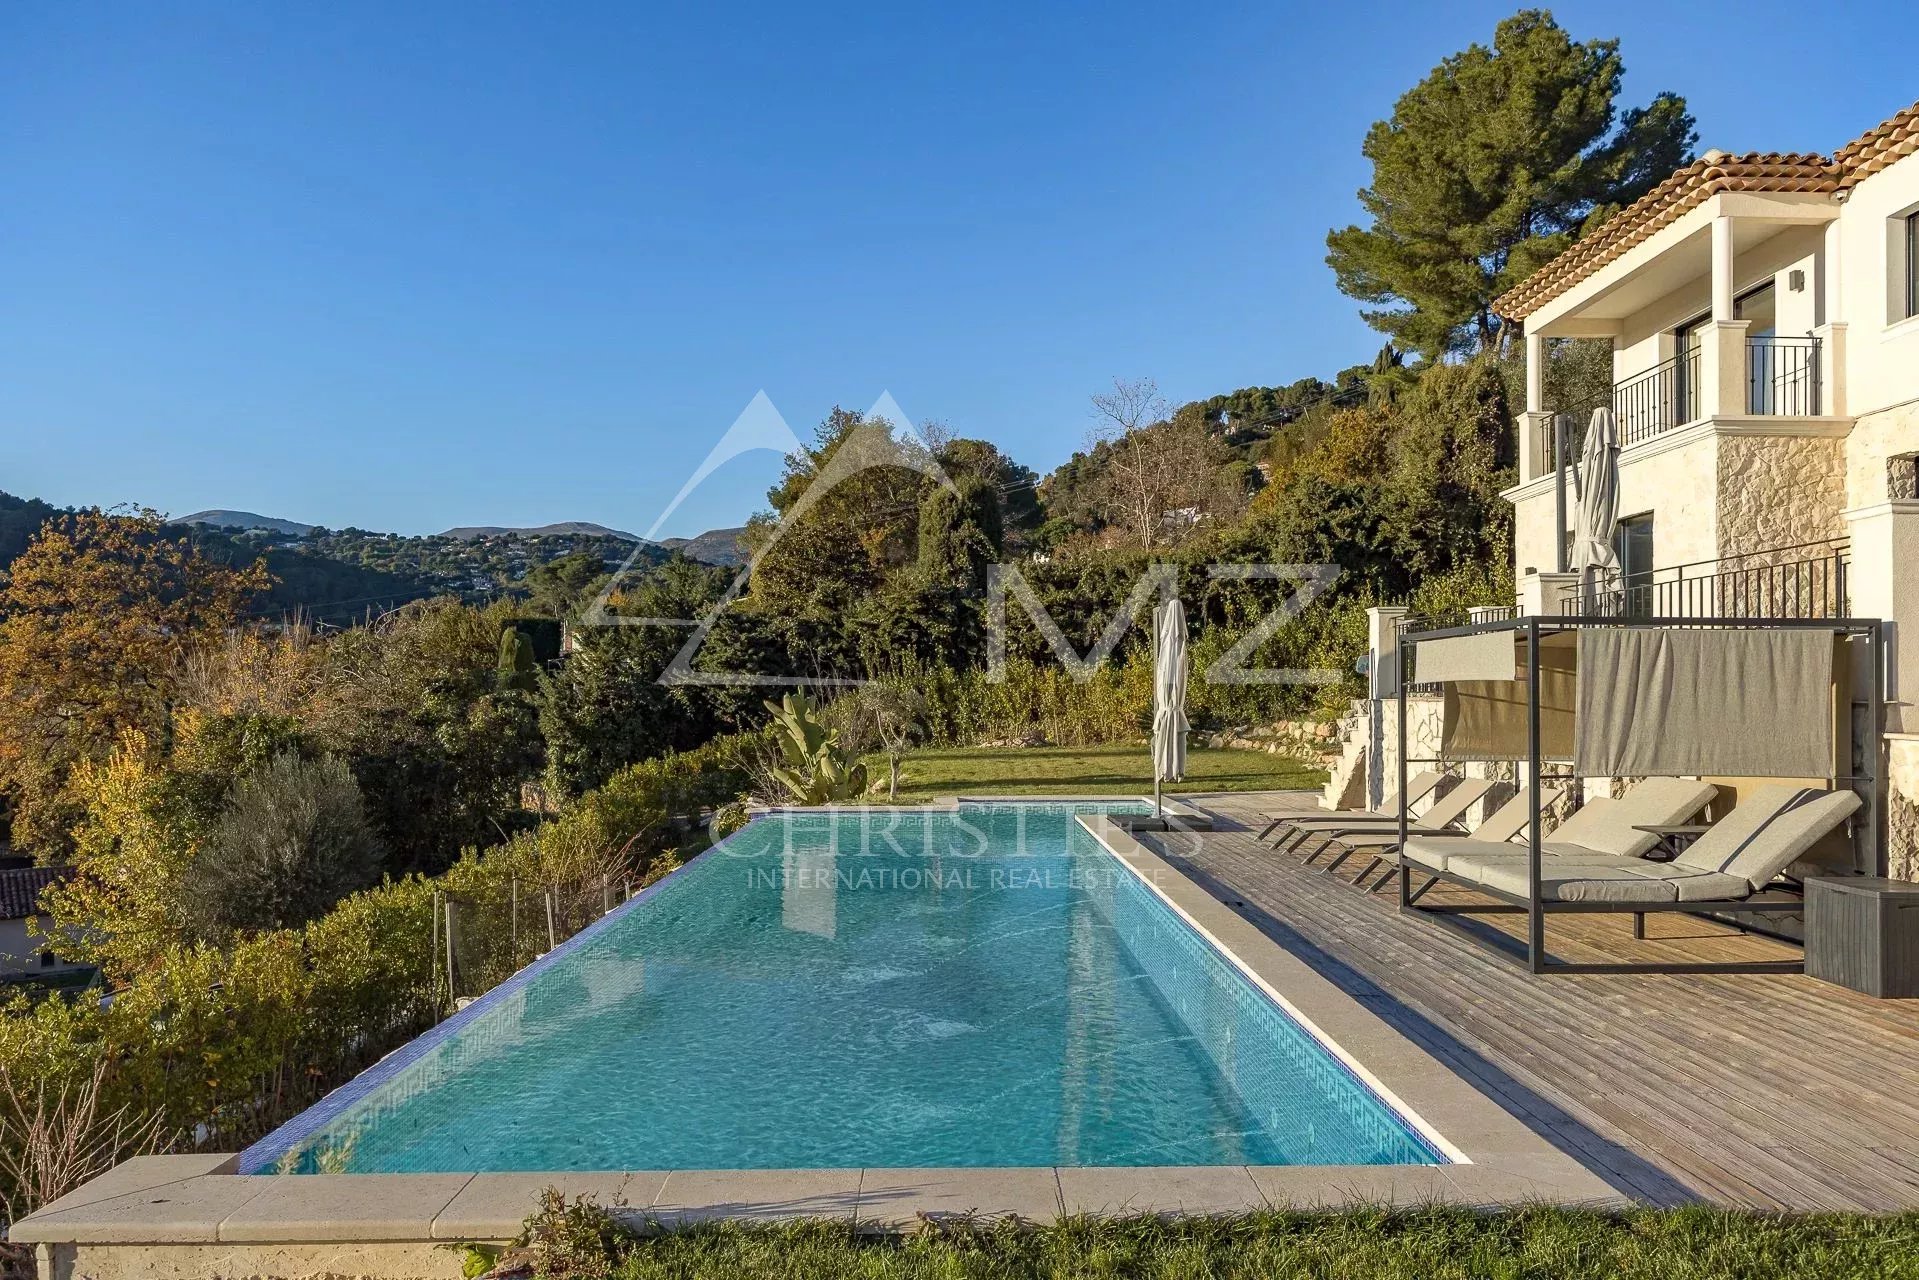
982,988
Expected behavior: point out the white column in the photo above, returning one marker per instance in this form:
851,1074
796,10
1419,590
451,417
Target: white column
1535,371
1543,595
1531,424
1832,369
1722,282
1722,347
1383,625
1832,269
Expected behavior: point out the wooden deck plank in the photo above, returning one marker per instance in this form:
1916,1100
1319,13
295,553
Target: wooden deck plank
1761,1091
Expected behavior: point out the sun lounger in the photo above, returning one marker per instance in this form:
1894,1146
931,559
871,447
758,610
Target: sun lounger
1445,811
1603,828
1417,788
1500,826
1769,830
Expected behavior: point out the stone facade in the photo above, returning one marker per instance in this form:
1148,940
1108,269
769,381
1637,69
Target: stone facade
1902,808
1876,438
1779,491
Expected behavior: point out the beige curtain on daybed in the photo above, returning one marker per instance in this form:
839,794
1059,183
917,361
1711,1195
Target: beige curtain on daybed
1485,719
1489,656
1685,702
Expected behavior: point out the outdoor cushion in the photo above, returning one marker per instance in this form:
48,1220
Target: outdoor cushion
1438,852
1768,831
1650,802
1570,879
1421,783
1442,813
1445,853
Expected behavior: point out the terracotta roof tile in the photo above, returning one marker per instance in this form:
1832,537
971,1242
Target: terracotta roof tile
1878,147
1704,178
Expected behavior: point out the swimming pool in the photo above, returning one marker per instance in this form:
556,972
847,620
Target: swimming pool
980,987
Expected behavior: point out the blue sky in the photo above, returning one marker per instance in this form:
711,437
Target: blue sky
411,266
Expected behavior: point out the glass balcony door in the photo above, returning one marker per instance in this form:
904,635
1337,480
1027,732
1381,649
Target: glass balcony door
1765,371
1687,339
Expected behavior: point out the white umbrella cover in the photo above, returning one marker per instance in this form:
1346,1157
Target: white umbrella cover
1170,664
1598,513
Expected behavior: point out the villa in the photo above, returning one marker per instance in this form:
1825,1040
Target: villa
1763,312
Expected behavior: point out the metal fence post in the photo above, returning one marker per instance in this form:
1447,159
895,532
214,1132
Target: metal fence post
433,985
552,934
513,891
452,991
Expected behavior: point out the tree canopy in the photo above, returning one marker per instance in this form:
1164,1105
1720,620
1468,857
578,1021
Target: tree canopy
1490,167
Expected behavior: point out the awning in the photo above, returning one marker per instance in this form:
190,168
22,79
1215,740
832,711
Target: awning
1488,656
1486,719
1749,702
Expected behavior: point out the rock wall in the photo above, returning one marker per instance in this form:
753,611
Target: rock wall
1779,491
1902,809
1875,438
1312,740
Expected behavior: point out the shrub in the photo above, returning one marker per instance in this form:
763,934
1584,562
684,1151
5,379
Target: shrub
291,842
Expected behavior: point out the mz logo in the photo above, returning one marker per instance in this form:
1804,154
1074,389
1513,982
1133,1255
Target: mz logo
1160,583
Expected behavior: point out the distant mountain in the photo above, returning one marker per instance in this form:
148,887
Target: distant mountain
715,546
565,528
220,519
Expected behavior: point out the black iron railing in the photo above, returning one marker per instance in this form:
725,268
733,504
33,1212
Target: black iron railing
1782,376
1663,397
1803,581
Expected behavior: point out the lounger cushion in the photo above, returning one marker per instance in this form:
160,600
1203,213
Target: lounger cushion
1569,880
1624,880
1612,826
1437,852
1771,828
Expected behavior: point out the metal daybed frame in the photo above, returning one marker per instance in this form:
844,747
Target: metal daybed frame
1870,833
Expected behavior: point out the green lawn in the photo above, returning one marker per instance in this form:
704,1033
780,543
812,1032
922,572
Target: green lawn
1124,770
1415,1244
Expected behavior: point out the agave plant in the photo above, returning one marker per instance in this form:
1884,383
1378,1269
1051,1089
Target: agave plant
818,769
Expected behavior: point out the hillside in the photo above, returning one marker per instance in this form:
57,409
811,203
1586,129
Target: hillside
715,546
563,529
220,518
340,576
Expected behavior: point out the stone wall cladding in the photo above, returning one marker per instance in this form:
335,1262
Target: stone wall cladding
1875,438
1902,809
1779,491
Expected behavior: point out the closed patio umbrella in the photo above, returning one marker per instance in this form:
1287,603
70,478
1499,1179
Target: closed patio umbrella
1598,504
1169,697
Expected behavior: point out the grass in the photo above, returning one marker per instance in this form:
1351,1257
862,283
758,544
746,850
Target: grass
1415,1244
1121,770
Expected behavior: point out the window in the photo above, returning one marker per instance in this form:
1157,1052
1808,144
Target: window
1912,265
1686,341
1633,543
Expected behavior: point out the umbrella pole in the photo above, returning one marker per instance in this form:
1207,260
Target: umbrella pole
1159,804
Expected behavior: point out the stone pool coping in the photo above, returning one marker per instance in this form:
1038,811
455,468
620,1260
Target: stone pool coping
194,1214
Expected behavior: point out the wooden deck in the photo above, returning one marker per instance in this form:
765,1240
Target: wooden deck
1763,1091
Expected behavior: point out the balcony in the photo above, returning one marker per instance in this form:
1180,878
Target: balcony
1781,377
1804,581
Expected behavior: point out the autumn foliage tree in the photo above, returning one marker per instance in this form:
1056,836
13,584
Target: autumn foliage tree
96,620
